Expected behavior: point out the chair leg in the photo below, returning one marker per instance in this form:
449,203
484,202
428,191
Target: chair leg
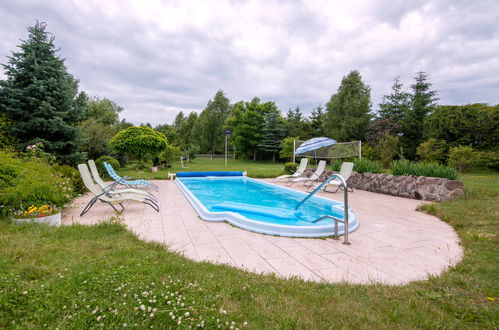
88,206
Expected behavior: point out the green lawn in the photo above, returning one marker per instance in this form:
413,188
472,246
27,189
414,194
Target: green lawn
254,169
103,276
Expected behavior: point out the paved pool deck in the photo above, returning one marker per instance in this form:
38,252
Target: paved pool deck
395,244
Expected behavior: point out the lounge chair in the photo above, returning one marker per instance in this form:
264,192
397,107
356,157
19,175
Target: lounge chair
298,173
104,196
125,181
314,177
111,188
345,172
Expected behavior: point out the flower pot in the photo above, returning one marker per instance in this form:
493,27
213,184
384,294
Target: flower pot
50,220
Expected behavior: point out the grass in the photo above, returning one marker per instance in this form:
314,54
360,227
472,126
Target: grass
254,169
100,276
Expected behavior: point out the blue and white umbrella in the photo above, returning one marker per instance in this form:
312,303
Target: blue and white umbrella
314,144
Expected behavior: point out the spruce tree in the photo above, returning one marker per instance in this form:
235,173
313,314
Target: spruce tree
273,133
40,97
317,121
423,102
395,106
348,111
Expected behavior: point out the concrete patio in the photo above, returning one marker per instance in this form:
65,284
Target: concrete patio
395,244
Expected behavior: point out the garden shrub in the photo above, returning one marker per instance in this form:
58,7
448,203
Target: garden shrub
386,149
336,165
74,176
463,158
290,167
366,166
170,154
433,150
108,159
369,152
26,182
489,159
405,167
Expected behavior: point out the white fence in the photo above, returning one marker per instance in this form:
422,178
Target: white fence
215,156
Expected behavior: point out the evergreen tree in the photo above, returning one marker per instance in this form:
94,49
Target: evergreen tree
294,122
395,105
40,97
423,102
273,133
317,121
348,111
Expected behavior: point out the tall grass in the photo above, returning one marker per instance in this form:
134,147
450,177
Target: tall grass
367,166
405,167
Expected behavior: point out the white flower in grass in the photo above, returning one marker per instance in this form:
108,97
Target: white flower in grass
142,307
25,292
187,314
125,325
151,315
245,323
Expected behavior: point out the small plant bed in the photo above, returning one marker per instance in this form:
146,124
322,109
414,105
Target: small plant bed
104,276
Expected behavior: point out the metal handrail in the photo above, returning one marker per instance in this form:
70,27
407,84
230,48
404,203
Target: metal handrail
345,202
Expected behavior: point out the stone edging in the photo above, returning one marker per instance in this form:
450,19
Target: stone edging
416,187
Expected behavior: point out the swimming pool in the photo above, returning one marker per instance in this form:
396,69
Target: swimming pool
262,207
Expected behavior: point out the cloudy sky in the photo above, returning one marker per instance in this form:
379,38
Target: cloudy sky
156,58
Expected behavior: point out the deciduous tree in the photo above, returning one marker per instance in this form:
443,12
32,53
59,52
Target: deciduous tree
348,111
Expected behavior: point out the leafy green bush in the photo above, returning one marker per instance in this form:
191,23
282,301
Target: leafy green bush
290,167
463,157
489,159
336,164
369,152
405,167
74,176
170,154
26,182
366,166
386,149
433,150
108,159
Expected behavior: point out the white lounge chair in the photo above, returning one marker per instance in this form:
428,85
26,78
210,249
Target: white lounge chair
298,173
345,172
104,196
314,177
112,188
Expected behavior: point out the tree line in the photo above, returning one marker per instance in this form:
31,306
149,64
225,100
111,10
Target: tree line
40,102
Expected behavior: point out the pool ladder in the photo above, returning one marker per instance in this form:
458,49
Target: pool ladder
345,206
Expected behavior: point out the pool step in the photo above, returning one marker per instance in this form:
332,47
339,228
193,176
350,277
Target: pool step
274,212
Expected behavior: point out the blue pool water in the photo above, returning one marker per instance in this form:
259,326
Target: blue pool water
262,207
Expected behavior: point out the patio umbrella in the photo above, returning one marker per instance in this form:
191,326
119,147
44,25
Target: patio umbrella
314,144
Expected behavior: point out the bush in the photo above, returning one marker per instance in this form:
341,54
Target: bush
405,167
369,152
108,159
463,157
74,176
489,159
366,166
170,154
290,167
433,150
26,182
387,149
336,165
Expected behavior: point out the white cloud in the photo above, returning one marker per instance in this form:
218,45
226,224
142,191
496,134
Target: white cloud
156,58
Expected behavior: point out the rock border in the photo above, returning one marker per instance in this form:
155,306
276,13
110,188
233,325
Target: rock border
410,186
